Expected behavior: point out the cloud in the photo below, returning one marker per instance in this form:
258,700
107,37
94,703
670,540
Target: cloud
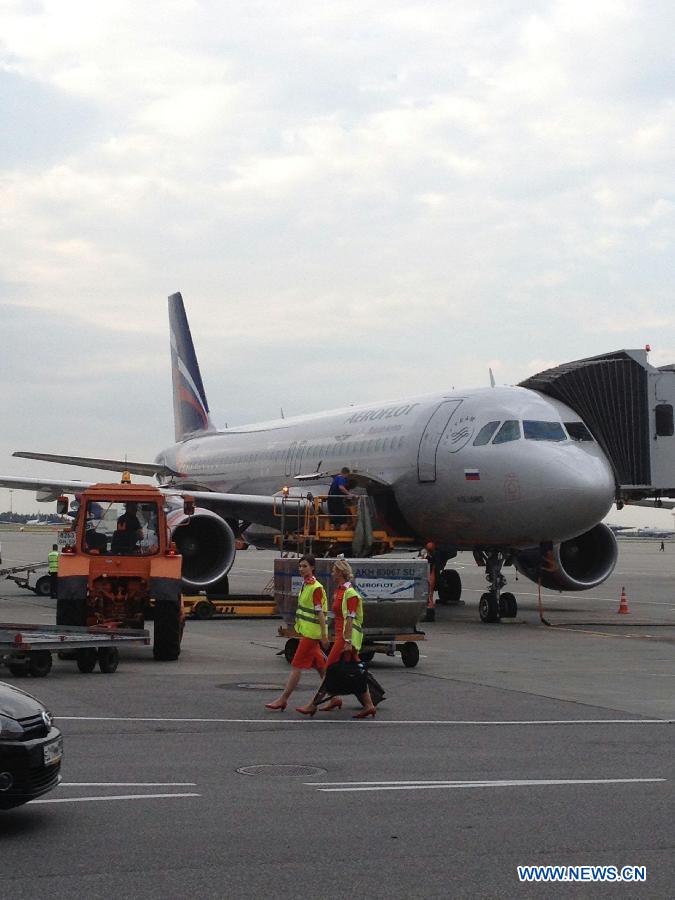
485,182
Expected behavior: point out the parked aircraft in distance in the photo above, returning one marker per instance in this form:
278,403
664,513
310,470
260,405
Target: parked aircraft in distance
508,473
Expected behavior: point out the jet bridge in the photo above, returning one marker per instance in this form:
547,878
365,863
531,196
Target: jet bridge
628,406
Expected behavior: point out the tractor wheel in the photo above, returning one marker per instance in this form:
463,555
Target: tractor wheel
40,663
166,645
71,611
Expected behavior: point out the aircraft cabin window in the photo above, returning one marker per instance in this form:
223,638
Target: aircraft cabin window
578,431
543,431
486,432
664,420
510,431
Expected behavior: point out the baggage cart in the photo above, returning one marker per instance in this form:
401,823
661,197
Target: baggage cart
27,649
21,576
390,645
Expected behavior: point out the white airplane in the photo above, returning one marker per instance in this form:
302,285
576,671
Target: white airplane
508,473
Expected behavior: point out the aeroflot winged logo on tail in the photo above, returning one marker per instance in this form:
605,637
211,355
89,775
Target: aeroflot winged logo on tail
191,411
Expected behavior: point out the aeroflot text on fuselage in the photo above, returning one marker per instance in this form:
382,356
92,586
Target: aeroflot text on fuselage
391,412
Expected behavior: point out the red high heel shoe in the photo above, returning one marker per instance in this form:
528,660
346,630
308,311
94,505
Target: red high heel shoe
365,713
305,711
277,704
334,703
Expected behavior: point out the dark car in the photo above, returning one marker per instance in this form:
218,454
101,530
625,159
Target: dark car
30,748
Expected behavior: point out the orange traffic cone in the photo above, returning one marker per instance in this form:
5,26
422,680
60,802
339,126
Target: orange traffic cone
623,603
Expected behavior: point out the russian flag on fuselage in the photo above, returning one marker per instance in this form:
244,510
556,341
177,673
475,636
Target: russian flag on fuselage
472,474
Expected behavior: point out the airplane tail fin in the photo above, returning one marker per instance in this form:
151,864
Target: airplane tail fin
190,409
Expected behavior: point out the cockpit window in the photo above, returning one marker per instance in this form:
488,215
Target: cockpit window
486,432
543,431
510,431
578,431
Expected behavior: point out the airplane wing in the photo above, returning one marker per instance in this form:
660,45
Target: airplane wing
264,510
49,488
112,465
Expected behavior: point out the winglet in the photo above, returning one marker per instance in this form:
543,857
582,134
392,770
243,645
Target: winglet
190,408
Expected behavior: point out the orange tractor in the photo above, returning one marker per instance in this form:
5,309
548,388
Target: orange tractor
119,567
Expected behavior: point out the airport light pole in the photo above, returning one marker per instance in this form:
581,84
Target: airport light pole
11,492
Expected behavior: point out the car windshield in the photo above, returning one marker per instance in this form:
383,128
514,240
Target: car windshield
121,529
543,431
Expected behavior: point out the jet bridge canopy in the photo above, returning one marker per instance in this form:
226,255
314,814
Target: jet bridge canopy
628,406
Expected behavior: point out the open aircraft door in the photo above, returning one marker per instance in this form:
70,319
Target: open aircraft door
431,438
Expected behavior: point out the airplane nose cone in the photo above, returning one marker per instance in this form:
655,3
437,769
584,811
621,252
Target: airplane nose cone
582,492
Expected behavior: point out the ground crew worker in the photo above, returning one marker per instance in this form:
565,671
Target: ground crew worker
338,494
348,611
53,563
311,625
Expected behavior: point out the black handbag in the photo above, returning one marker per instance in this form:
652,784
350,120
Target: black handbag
346,677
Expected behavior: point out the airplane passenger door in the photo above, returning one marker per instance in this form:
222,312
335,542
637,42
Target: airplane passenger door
431,438
289,458
300,452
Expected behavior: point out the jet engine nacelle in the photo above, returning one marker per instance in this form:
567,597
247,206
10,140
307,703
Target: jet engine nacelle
576,565
206,543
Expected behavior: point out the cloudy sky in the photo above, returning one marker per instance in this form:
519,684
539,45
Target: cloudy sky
358,200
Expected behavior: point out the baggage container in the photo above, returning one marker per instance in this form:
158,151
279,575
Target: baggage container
394,591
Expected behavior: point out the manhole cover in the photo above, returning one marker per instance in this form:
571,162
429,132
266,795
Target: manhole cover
288,771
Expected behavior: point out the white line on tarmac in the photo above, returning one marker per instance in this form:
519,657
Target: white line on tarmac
360,786
118,797
128,784
279,720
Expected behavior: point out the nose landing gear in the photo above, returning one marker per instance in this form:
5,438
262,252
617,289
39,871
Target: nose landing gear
495,605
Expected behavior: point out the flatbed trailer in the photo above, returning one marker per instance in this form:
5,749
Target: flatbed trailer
20,575
389,644
258,605
26,649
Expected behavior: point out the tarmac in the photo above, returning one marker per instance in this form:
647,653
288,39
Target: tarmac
520,743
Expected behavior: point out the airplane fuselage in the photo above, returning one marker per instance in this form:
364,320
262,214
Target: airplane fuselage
515,490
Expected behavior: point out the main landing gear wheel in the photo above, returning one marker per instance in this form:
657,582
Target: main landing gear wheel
508,608
488,608
290,648
449,586
367,656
